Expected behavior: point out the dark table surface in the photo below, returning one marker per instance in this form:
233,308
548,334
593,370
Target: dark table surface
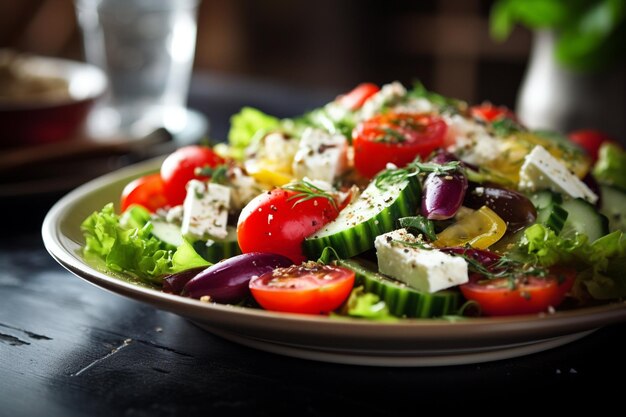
68,348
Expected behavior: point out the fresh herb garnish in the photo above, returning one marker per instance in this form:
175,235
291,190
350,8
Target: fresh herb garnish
396,175
390,136
506,127
421,224
307,191
218,175
446,105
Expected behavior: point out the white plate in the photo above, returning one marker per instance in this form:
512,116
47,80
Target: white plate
415,342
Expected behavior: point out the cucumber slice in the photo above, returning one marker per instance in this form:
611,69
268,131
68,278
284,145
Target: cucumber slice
614,207
375,212
211,250
549,210
583,217
218,249
168,233
401,300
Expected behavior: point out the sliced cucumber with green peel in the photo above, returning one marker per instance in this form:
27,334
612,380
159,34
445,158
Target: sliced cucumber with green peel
218,249
213,250
401,300
375,212
549,210
168,233
614,207
583,217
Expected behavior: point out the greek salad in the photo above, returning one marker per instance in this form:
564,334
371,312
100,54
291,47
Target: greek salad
386,203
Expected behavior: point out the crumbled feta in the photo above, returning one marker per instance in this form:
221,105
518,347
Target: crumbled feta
174,215
277,147
320,156
243,188
414,105
541,170
205,210
389,95
471,140
425,269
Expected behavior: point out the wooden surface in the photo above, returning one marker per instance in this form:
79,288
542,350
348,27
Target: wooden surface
68,348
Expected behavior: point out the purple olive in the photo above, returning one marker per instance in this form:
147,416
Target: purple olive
443,195
514,208
487,258
174,283
227,281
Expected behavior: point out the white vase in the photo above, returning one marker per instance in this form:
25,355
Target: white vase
553,97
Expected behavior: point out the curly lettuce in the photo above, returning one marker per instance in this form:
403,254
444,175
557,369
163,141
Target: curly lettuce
602,263
124,244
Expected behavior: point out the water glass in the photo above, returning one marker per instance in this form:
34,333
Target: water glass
146,47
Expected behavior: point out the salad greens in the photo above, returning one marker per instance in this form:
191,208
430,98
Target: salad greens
294,188
611,166
602,262
125,245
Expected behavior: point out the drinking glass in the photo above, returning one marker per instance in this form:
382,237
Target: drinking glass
146,47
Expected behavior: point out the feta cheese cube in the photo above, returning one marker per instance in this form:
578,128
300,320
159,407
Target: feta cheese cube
320,156
426,270
543,171
205,210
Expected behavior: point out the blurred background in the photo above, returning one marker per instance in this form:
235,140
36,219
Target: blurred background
328,48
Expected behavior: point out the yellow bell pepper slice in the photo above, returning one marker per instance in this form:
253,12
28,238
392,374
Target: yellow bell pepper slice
479,229
515,148
268,173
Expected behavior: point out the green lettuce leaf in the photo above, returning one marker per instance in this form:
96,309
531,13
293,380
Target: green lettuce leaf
366,305
611,166
247,124
602,263
605,279
186,257
125,246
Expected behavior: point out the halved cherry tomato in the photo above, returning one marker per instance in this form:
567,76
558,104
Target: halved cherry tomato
278,221
146,191
488,112
397,138
311,289
359,95
529,294
590,141
180,167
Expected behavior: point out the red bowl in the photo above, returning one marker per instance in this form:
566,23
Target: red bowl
36,122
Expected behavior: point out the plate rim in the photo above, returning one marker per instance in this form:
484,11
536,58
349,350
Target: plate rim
428,330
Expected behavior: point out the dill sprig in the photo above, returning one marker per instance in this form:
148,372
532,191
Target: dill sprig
306,191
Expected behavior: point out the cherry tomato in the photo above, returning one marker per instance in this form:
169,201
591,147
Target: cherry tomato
590,141
311,289
359,95
529,295
488,112
146,191
397,138
278,221
180,167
